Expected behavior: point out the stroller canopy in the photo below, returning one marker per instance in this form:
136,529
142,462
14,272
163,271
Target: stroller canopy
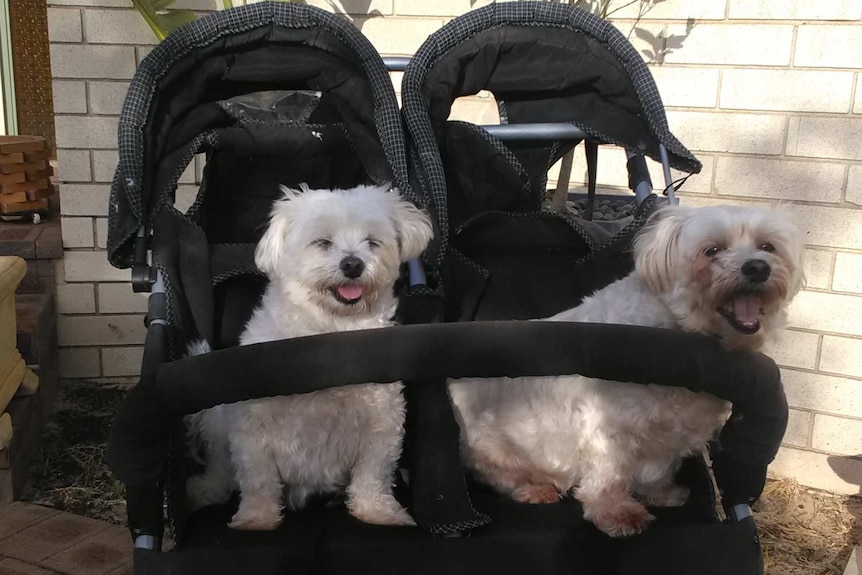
543,62
314,75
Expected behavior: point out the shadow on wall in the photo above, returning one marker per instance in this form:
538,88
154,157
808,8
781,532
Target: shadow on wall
660,45
848,471
842,468
350,9
813,191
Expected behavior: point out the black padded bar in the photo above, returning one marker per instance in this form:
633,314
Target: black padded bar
141,431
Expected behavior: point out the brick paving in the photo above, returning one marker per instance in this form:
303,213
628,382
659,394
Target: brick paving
37,540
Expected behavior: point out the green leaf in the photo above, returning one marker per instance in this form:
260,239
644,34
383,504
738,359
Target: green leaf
151,17
159,5
160,21
176,18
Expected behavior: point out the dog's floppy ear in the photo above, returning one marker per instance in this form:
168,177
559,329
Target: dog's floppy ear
656,248
412,225
271,246
790,236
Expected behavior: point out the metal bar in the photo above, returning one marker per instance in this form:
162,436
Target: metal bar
738,512
159,284
142,273
156,341
643,188
668,179
532,132
591,150
561,192
149,542
396,63
417,272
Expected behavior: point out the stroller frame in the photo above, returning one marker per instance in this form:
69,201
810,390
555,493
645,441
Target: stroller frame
143,278
750,381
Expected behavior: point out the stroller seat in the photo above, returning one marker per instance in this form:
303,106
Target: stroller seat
519,538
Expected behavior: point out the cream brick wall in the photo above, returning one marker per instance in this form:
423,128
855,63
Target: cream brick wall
768,94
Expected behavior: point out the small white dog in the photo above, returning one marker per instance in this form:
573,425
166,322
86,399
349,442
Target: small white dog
332,257
726,271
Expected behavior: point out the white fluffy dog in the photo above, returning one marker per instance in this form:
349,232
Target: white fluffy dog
725,271
332,257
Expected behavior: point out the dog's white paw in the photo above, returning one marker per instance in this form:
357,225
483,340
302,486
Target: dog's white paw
536,494
667,496
204,490
619,518
256,515
386,512
254,523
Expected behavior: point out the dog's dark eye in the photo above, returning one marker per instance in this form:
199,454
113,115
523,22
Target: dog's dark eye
372,243
711,252
323,243
767,247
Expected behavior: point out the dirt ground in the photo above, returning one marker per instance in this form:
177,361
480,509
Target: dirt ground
803,532
806,532
71,473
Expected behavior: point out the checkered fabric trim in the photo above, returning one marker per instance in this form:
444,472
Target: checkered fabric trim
460,527
569,220
540,14
201,196
203,142
644,211
114,236
523,176
205,31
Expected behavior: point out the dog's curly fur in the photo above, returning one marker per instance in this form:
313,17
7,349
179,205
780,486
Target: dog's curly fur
727,271
332,257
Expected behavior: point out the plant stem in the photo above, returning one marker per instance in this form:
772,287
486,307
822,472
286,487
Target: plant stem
150,17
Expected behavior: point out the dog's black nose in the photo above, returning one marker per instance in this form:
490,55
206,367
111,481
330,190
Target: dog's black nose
756,271
352,267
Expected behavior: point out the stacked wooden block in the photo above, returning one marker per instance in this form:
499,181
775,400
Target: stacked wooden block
25,176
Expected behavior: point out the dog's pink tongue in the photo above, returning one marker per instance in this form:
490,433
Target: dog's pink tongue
350,292
746,308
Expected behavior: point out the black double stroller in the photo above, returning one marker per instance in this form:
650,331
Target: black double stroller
279,93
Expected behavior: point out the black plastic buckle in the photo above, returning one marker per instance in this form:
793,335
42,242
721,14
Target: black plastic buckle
638,171
143,274
143,278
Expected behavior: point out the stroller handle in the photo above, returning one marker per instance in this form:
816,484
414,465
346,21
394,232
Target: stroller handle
536,131
396,63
